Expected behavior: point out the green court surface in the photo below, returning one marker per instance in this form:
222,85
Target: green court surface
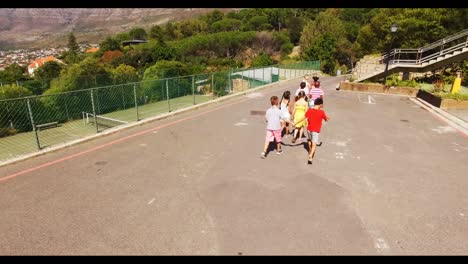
24,143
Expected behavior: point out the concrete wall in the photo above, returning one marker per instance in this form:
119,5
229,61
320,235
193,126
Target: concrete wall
377,88
447,104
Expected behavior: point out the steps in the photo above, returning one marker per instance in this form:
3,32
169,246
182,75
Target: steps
437,54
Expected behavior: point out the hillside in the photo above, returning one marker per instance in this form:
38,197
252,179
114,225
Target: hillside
45,27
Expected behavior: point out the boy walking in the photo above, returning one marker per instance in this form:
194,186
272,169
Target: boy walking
314,117
273,130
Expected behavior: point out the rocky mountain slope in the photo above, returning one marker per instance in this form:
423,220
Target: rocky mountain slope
43,27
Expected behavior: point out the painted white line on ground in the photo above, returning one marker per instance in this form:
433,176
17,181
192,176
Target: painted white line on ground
451,120
339,155
241,124
370,99
152,200
255,95
339,143
389,148
381,245
444,129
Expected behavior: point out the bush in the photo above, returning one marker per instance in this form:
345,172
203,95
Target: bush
456,96
393,80
287,48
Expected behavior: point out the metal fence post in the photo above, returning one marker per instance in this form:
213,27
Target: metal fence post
33,125
136,102
167,93
94,110
242,79
229,80
123,96
263,75
193,89
212,84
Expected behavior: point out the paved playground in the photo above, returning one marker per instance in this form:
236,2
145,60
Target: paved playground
390,178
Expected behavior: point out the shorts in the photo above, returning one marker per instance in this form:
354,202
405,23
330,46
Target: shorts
313,136
273,134
286,116
311,103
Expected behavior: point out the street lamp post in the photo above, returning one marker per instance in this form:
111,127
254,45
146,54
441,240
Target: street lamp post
393,29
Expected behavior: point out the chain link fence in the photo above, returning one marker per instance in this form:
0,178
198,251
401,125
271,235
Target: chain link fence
33,123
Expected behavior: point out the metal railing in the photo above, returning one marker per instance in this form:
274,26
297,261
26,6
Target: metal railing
429,52
413,57
32,123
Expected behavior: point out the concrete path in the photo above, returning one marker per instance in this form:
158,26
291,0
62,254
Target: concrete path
390,178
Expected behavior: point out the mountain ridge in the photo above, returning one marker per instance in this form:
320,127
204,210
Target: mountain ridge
45,27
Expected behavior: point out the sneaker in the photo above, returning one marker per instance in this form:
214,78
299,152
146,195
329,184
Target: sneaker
279,152
263,155
309,161
293,140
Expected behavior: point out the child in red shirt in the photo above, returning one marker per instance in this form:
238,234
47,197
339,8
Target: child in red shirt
314,117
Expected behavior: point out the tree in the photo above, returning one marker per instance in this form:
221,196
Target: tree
73,47
122,37
416,27
13,114
226,24
154,88
111,55
192,27
171,31
44,75
124,74
326,23
166,69
108,44
323,49
212,17
262,60
137,33
277,17
156,32
294,25
86,74
12,73
256,22
11,91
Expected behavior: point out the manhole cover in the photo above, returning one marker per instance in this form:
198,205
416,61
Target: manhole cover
257,112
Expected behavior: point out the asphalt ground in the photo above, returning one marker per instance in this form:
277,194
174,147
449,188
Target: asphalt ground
389,178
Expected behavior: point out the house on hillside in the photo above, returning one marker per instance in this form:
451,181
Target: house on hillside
133,42
35,64
92,50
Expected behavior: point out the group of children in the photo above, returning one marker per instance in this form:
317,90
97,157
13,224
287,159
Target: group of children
305,111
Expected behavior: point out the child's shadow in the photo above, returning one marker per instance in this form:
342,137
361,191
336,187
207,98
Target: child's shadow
305,145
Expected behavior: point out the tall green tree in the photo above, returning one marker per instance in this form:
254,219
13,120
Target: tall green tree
12,73
72,45
124,74
156,32
44,75
416,27
138,33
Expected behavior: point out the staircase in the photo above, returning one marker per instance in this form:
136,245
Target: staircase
427,58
